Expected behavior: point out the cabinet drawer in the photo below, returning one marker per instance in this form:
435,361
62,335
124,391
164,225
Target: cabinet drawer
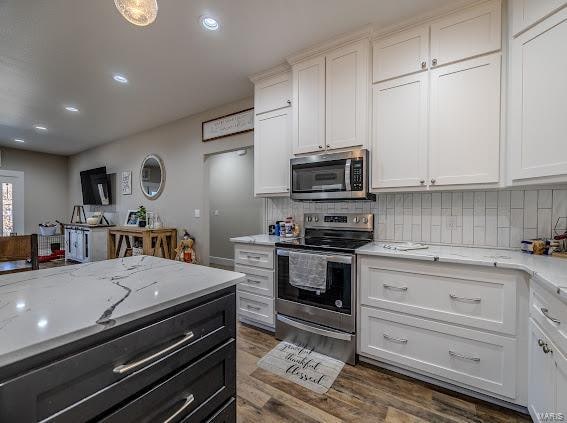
550,313
194,393
93,374
257,281
464,356
255,307
481,298
253,255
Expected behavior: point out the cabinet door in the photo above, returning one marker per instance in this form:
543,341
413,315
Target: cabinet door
560,383
466,34
272,143
80,244
538,100
541,368
309,106
347,86
401,54
399,132
272,93
465,122
70,243
526,13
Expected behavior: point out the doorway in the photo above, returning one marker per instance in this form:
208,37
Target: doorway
233,210
11,202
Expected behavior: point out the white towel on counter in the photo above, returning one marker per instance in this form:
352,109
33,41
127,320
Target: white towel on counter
308,271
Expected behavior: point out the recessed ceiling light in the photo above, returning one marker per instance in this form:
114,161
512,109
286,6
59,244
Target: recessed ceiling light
41,128
19,140
120,78
71,109
209,23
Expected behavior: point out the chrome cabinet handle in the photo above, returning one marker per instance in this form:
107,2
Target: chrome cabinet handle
434,62
465,299
540,342
253,280
289,102
253,257
545,312
423,64
546,349
320,146
395,288
433,180
186,404
394,339
422,181
251,307
328,145
463,356
123,368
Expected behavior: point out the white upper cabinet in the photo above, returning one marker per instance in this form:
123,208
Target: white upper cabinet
272,93
464,141
347,86
526,13
468,33
538,100
309,106
401,54
399,132
272,145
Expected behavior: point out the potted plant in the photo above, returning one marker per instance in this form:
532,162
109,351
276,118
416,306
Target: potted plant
141,217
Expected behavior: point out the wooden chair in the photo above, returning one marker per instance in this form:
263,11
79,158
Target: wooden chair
16,253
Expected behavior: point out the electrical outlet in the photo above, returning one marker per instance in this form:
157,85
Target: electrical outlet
451,222
197,213
216,213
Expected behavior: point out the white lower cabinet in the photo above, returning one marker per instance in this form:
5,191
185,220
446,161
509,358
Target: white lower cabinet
85,244
455,323
255,294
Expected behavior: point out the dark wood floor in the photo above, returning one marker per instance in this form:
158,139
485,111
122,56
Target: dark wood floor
360,394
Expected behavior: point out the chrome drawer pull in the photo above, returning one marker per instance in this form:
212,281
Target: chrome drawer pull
123,368
253,257
395,288
466,357
186,404
253,280
545,312
251,307
394,339
464,299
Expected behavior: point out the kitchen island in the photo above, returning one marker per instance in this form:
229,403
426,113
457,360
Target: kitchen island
132,339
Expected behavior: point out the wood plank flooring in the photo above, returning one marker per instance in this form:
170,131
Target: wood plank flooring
362,393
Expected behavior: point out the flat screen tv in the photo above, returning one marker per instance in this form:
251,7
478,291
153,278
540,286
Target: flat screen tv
95,184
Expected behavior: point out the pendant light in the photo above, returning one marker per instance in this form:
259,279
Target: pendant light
138,12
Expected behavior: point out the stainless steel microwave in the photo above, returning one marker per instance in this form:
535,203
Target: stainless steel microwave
334,176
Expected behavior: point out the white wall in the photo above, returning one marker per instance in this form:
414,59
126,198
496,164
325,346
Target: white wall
183,153
46,185
231,193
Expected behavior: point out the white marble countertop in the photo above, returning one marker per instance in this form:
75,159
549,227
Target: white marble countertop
262,239
44,309
550,271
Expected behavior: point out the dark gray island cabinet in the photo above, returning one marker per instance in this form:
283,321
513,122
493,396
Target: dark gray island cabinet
159,348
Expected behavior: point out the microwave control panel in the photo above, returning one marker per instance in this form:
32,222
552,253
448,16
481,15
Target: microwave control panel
356,180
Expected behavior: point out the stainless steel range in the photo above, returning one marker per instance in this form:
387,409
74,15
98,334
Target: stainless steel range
324,319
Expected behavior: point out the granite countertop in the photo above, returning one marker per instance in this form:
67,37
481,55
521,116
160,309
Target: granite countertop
262,239
44,309
549,271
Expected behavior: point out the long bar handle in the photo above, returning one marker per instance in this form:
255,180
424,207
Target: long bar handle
186,404
395,288
545,312
465,299
123,368
466,357
394,339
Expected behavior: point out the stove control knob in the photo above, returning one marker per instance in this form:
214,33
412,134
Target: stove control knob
316,219
309,218
356,219
364,220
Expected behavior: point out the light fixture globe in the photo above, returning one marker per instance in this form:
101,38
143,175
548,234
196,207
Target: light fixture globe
138,12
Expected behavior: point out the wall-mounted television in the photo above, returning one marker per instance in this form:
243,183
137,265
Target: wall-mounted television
95,184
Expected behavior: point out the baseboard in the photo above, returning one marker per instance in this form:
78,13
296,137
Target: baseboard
221,261
516,407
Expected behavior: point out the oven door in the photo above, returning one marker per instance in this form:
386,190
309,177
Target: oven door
335,307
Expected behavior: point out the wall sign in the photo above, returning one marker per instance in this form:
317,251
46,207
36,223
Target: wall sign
224,126
126,182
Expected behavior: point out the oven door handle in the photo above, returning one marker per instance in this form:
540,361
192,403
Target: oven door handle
347,175
314,329
330,258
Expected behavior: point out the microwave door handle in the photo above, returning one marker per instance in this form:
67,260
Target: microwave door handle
347,175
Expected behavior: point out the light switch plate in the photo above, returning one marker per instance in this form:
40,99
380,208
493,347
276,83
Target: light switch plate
197,213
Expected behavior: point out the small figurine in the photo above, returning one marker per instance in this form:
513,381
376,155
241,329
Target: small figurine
184,250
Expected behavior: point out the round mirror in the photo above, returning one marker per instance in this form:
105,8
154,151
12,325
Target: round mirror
152,176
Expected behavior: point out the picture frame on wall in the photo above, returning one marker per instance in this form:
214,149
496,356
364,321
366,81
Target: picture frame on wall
126,182
132,218
227,125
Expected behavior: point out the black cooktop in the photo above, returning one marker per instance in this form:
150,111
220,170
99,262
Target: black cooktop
340,245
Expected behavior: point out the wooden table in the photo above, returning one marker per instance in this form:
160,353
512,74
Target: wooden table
155,242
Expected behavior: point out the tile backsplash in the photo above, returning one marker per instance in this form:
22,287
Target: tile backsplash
472,218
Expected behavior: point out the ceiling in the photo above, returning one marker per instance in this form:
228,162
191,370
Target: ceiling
64,52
